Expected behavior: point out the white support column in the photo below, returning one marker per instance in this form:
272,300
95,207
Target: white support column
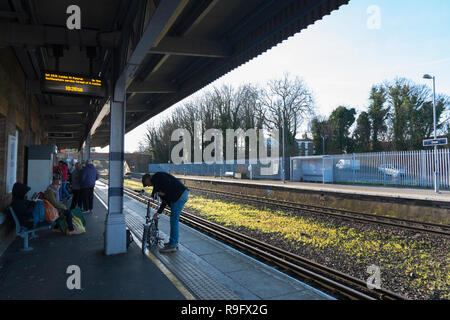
115,225
87,151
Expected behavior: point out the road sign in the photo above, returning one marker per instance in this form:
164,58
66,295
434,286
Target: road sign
435,142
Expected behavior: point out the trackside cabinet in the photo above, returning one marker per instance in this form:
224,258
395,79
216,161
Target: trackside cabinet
40,159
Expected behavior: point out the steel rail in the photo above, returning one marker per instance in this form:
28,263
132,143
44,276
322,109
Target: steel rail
418,226
353,215
335,281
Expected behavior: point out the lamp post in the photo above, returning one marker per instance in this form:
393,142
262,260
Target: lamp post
323,155
215,155
323,143
282,160
436,169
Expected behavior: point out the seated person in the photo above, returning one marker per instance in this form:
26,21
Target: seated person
52,196
29,213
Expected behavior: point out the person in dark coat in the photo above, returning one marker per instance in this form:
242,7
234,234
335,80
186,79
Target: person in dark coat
76,187
173,193
87,183
29,213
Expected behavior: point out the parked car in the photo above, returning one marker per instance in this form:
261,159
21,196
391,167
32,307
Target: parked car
391,170
347,164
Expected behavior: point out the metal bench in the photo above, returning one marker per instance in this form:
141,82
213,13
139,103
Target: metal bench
23,232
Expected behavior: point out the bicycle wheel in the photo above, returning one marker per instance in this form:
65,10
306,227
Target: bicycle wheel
145,235
153,235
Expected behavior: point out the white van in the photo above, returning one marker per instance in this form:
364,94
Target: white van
347,164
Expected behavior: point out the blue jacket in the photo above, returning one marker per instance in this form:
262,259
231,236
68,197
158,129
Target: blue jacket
88,176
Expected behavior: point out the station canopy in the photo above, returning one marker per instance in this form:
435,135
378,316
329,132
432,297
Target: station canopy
72,72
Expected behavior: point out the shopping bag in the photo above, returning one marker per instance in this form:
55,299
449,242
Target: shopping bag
77,212
50,212
61,222
78,225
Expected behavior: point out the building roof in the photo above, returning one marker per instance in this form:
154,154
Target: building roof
202,41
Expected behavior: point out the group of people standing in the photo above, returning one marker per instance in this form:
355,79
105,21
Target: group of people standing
82,177
83,182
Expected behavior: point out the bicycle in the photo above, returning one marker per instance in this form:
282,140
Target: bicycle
150,235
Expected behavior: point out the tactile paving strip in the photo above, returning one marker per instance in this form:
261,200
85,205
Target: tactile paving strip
200,283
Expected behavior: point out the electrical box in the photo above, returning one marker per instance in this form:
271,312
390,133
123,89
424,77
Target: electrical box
40,160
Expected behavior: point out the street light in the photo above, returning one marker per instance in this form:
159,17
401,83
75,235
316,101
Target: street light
323,143
323,154
436,169
215,155
282,160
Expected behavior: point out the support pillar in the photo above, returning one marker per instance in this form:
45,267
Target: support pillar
115,225
87,148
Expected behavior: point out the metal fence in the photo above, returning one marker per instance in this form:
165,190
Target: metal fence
408,168
219,169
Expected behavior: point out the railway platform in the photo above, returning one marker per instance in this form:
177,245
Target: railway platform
211,270
360,190
42,272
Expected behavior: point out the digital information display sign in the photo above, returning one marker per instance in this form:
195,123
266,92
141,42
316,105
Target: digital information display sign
63,83
60,135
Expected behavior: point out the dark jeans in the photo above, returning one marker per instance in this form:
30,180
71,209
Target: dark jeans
63,190
76,199
87,195
68,219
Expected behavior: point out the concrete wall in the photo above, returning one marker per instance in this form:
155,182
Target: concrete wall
18,111
425,211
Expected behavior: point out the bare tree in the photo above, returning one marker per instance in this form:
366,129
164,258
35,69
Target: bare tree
289,100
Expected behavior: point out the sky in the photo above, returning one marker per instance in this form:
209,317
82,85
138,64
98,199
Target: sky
343,55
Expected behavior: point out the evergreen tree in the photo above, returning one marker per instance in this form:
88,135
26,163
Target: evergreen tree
341,119
377,113
361,135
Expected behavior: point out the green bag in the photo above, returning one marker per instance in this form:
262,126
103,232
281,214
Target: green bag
62,222
76,212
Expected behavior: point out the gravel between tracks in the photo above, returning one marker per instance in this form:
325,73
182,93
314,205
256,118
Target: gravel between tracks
396,272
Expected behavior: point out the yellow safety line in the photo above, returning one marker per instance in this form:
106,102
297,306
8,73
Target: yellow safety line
172,278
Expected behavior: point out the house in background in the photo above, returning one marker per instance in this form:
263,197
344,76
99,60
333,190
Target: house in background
305,146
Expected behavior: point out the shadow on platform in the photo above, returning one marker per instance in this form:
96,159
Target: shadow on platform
41,273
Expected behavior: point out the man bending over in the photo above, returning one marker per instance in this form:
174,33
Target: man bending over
173,193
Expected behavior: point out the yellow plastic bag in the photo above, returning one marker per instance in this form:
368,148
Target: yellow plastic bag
78,225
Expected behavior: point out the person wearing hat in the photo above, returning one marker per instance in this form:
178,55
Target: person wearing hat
29,213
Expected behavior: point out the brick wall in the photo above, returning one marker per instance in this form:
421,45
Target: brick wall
18,112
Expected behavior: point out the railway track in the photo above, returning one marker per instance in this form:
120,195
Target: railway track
341,284
417,226
352,215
